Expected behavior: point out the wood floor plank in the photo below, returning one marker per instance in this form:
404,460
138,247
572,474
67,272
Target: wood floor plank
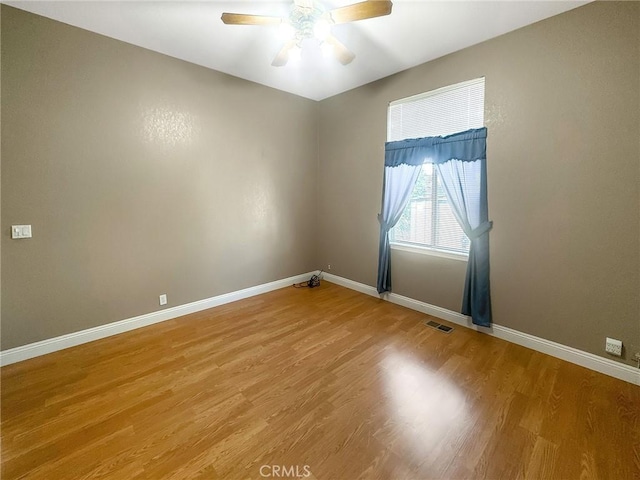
346,385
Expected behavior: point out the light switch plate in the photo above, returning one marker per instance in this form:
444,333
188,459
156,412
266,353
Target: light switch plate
20,231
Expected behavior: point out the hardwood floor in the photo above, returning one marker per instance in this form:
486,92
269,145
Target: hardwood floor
321,383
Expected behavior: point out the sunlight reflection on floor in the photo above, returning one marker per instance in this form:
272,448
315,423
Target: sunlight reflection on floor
423,406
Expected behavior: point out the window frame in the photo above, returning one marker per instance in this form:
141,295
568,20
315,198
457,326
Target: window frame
431,251
423,249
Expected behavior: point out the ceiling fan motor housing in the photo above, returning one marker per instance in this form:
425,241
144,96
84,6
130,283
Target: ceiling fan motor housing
304,20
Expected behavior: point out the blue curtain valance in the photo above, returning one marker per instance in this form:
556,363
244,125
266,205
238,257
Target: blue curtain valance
416,151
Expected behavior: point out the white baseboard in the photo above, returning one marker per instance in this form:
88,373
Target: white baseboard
43,347
569,354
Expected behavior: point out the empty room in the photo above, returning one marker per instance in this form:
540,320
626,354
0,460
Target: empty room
320,239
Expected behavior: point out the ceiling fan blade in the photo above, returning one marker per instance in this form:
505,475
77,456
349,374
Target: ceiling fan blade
361,11
282,57
243,19
342,53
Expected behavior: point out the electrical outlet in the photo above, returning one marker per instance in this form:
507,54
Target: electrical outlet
329,267
163,299
614,347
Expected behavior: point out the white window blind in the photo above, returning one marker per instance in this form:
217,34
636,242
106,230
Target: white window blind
428,219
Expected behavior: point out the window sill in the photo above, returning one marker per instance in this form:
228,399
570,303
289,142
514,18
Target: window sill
429,251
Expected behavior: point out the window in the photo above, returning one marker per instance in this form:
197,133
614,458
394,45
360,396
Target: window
428,221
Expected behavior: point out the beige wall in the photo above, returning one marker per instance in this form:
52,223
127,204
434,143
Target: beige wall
562,109
141,175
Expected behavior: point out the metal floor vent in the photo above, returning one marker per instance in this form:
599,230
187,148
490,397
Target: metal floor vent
439,326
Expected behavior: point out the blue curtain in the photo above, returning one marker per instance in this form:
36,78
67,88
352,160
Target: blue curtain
461,161
397,187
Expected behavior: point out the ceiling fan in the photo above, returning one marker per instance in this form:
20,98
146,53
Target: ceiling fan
309,19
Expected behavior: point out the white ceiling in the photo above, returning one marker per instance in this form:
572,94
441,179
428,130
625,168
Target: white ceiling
414,33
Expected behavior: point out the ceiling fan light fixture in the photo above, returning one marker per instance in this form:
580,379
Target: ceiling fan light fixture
322,29
286,31
295,54
327,50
